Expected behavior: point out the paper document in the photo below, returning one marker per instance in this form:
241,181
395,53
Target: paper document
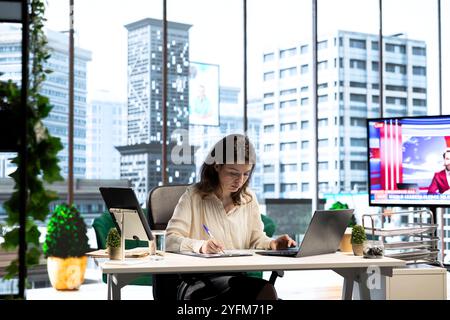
226,253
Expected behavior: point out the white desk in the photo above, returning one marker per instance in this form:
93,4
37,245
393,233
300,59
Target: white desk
352,268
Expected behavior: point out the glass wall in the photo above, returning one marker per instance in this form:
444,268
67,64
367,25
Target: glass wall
212,105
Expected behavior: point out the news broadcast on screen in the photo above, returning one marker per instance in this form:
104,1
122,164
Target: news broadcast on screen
409,161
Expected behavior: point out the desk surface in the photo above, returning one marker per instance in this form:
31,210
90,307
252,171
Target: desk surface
177,263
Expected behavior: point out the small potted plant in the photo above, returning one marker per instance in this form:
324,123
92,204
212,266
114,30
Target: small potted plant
358,238
113,244
65,247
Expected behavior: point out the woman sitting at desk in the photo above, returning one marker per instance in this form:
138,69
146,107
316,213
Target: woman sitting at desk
223,202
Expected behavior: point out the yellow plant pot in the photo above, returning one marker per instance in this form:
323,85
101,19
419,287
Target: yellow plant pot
346,243
66,273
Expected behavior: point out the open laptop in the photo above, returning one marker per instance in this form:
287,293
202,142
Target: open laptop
323,235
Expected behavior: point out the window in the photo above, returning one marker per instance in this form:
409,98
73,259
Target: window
322,85
288,103
419,51
304,49
304,124
322,65
375,86
322,44
358,97
397,48
305,187
375,99
375,66
269,128
304,89
357,122
288,126
375,45
396,100
357,64
395,88
268,95
358,142
269,75
269,168
304,101
355,84
396,68
269,147
323,186
322,98
288,167
288,187
288,53
322,143
269,57
323,165
322,122
304,69
288,91
358,165
270,187
420,102
268,106
305,166
289,72
357,43
305,144
419,71
419,90
288,146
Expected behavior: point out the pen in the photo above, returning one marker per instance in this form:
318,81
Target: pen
210,234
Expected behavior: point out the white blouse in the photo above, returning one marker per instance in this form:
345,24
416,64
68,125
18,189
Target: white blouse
240,228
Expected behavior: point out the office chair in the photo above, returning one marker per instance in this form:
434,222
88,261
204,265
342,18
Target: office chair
161,203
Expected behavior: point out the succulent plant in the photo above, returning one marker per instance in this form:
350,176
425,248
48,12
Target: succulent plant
113,238
358,234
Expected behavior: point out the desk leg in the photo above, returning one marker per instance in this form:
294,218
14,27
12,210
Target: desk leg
359,278
113,288
116,281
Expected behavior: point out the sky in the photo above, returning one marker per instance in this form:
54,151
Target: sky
216,33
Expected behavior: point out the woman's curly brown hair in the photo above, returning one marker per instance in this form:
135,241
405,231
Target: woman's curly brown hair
232,149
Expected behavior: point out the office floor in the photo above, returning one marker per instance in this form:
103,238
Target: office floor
295,285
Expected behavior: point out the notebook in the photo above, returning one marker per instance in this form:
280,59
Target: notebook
226,254
323,235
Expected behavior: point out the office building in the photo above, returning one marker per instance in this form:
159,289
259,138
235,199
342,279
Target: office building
230,121
106,127
348,93
55,88
141,157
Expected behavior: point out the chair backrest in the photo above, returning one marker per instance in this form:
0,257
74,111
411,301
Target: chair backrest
161,203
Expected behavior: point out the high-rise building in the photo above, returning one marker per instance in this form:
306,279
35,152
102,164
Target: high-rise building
230,121
106,127
348,93
141,157
55,88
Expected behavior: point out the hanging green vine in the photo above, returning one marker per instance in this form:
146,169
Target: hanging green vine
42,148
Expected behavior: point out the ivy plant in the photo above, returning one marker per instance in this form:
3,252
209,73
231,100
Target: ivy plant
42,148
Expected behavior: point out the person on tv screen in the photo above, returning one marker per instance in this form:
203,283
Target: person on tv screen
441,179
223,202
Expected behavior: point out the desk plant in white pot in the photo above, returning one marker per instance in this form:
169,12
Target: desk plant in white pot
65,247
113,244
358,238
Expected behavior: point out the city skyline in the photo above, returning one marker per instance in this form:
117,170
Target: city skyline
332,15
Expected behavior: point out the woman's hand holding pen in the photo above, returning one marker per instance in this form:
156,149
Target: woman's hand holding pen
212,246
282,242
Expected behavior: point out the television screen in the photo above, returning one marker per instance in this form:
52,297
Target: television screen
409,161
